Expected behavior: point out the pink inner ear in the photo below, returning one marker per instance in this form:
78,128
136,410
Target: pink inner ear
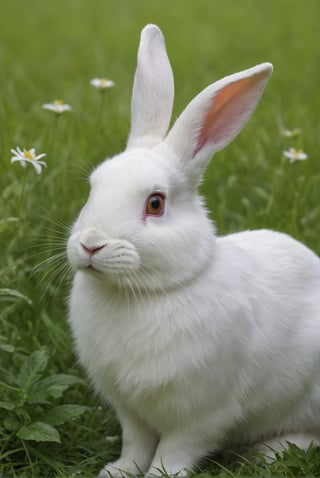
228,111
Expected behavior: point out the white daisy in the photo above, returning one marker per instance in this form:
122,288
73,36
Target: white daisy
295,155
57,106
102,83
28,156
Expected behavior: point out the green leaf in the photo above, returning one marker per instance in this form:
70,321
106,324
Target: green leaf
13,295
7,348
63,413
11,423
9,388
4,345
8,405
11,397
8,378
39,431
32,368
23,414
54,386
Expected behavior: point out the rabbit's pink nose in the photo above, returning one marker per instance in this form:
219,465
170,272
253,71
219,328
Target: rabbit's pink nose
92,250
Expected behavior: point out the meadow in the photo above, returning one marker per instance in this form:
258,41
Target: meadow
51,422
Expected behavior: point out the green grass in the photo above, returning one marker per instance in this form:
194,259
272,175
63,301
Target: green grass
51,50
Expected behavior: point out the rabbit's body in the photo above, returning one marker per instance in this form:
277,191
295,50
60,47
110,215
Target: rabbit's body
210,348
197,341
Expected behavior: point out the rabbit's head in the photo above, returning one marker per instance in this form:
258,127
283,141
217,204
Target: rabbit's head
144,225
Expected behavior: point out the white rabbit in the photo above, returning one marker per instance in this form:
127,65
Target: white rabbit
199,342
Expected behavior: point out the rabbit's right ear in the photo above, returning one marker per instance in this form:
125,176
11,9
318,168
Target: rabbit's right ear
153,91
214,118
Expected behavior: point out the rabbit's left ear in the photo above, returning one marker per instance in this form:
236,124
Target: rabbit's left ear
215,117
153,91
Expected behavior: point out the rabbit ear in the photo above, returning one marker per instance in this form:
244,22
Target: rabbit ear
216,116
153,91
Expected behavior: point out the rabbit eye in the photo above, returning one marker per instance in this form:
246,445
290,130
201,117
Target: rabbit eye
155,205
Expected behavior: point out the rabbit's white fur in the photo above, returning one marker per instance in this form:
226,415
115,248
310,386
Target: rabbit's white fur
199,342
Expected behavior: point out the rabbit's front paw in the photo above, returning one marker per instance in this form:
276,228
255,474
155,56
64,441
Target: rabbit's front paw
119,469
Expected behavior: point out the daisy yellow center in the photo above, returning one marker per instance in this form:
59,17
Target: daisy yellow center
104,81
296,153
58,102
28,155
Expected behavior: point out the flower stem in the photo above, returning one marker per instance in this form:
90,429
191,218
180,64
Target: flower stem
54,133
23,186
102,108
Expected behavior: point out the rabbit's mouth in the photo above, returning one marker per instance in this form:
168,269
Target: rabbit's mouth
101,256
90,268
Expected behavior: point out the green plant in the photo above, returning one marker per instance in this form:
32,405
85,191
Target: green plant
29,405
